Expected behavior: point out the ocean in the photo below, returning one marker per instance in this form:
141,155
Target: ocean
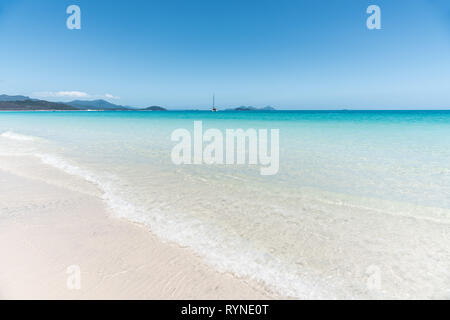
360,206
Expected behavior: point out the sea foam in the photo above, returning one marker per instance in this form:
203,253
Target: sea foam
17,136
247,262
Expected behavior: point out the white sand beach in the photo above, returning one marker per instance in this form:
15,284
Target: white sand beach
46,227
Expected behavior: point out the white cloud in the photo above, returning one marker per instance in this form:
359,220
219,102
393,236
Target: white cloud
110,96
64,94
74,95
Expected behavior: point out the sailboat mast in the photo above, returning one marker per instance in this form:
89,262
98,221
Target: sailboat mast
214,103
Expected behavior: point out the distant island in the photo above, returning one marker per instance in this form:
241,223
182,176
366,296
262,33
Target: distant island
96,105
4,97
34,105
23,103
153,108
250,108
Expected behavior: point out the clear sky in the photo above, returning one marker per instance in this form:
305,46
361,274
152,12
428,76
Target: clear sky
297,54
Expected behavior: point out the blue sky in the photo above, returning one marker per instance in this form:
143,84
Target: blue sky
294,54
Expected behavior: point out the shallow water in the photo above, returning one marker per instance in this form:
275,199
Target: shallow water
360,206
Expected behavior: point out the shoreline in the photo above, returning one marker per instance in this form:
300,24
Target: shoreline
137,233
47,228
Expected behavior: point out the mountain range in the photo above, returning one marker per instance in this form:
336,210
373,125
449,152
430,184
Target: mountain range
33,105
4,97
96,105
23,103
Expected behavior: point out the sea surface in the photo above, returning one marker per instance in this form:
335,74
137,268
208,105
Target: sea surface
360,207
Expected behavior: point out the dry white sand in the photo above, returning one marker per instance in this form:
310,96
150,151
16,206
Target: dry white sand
48,223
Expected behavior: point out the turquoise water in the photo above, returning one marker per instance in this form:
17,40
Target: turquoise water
354,189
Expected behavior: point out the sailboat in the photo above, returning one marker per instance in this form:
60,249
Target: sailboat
214,109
